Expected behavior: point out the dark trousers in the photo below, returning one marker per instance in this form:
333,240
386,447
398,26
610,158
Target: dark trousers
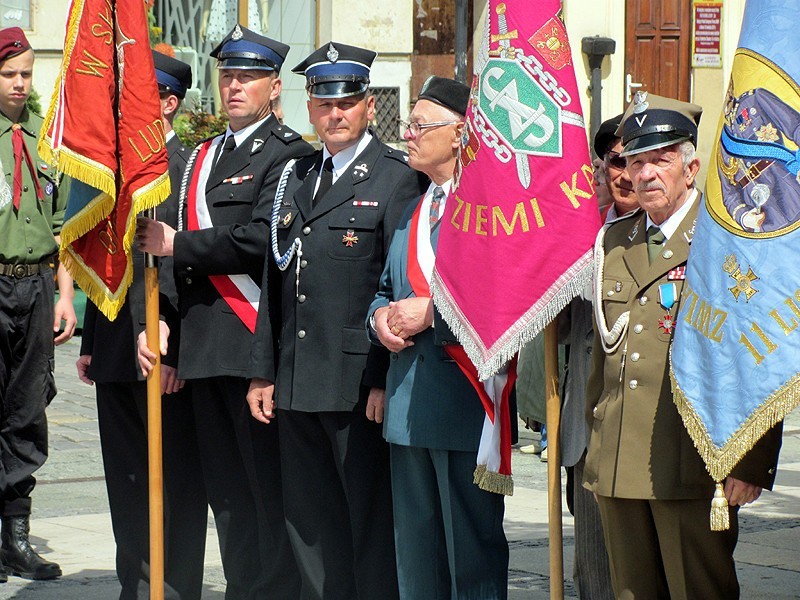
448,532
337,493
665,549
122,420
26,385
242,472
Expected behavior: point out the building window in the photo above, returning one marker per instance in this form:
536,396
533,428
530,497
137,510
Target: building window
387,113
15,13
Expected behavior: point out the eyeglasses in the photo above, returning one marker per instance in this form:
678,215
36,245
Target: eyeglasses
416,128
614,160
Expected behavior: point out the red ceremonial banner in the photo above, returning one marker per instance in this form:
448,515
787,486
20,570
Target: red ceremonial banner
519,225
104,130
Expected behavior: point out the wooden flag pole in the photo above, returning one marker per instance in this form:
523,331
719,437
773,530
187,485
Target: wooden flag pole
553,425
154,433
243,11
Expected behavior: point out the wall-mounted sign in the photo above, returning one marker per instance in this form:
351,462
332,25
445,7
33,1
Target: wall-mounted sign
706,33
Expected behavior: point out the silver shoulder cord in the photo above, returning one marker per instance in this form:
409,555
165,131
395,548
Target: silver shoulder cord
185,185
609,338
283,260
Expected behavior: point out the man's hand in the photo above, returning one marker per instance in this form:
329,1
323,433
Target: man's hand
375,403
146,357
261,401
64,311
740,492
410,316
82,364
392,342
169,380
154,237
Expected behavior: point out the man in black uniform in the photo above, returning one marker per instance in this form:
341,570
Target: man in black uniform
108,358
342,204
31,213
219,261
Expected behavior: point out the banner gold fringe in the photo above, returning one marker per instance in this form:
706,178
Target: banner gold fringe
720,460
490,481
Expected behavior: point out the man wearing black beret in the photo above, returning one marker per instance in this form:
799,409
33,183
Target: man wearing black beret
339,211
448,532
108,361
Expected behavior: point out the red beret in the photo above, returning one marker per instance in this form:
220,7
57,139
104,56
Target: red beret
12,42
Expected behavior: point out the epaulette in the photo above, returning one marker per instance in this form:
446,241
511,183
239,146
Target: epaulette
286,134
396,154
627,215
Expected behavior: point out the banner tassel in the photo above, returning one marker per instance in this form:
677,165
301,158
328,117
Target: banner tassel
720,517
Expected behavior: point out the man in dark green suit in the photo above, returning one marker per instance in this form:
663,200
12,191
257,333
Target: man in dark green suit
448,532
652,488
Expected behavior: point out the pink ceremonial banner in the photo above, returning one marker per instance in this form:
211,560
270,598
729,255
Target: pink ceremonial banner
518,228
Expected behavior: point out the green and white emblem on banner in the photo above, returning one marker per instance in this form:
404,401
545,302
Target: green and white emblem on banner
522,113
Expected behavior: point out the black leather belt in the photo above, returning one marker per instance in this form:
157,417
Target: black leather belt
20,271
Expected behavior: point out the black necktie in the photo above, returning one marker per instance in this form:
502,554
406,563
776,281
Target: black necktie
325,180
655,239
228,147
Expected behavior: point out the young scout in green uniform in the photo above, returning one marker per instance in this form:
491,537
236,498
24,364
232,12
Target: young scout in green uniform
651,485
31,212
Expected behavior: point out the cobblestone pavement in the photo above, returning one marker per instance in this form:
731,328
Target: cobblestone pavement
71,524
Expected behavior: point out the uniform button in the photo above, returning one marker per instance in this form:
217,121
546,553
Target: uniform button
394,356
27,219
610,293
303,263
633,384
667,254
594,411
635,356
352,219
301,334
642,300
188,281
24,188
230,195
421,358
30,250
638,328
301,298
188,269
306,230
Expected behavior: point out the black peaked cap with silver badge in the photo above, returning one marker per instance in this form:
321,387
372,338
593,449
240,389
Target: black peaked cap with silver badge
652,122
173,75
449,93
337,70
245,49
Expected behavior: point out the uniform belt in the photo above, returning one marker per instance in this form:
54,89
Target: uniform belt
23,270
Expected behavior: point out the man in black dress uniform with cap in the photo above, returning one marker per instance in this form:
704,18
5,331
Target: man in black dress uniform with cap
108,360
342,205
218,258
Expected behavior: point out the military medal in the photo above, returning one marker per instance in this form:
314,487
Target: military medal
667,294
287,219
237,180
350,238
677,273
667,323
364,203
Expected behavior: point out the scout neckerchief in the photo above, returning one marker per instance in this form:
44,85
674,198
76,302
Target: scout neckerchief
494,393
21,151
240,292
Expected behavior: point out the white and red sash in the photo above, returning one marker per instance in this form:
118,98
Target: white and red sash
494,452
240,292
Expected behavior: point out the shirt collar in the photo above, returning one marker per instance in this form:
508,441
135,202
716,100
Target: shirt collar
344,158
672,223
244,133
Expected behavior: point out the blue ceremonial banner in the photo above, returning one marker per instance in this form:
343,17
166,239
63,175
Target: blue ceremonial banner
736,352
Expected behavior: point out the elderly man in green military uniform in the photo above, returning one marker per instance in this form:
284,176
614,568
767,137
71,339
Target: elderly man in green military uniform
31,212
652,488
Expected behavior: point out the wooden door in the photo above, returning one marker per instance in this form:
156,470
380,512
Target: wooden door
657,47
